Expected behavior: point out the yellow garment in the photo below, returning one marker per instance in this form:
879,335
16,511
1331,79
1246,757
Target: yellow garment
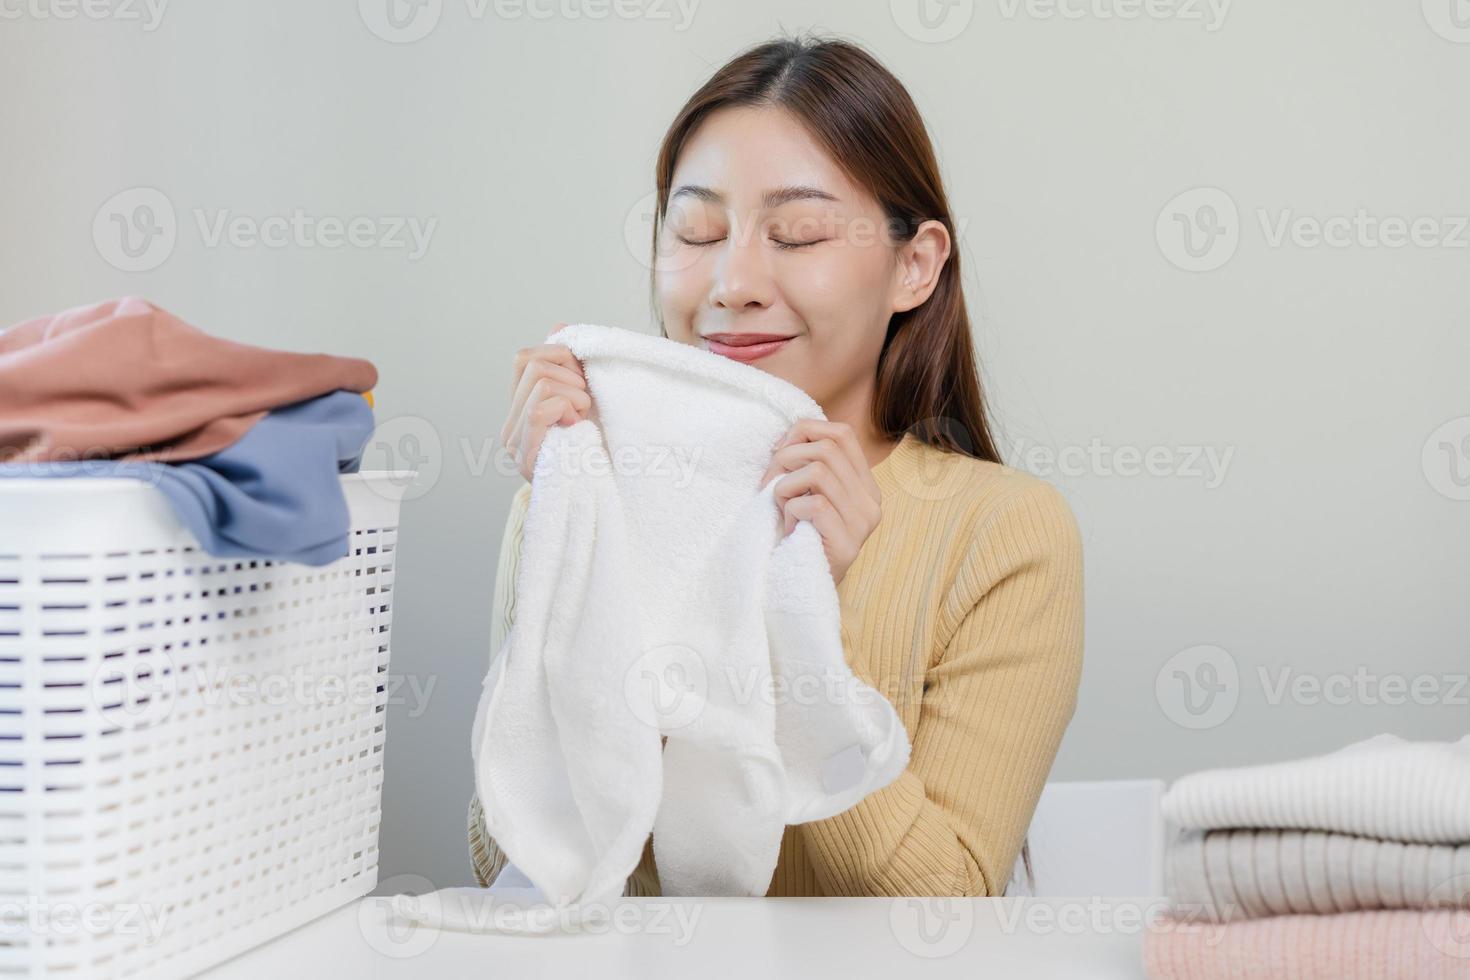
964,609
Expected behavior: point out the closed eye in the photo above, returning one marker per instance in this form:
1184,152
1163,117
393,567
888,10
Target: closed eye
785,245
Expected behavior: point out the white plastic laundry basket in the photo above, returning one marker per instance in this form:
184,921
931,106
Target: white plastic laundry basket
191,747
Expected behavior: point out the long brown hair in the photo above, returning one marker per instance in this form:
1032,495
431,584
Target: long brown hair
862,115
928,382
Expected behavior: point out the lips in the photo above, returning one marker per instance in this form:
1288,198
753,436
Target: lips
746,346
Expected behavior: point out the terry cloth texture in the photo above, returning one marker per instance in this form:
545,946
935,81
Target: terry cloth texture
658,597
965,609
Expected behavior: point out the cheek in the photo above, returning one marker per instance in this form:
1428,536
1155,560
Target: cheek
838,288
841,296
680,292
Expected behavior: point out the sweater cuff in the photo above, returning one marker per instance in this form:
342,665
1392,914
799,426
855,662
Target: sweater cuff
486,858
893,842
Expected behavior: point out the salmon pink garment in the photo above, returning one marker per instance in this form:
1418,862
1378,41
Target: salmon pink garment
123,379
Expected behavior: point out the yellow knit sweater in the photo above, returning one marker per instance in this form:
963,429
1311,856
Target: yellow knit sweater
964,609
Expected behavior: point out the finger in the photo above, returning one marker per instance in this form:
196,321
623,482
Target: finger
554,409
817,479
520,444
537,371
840,433
797,455
559,403
554,353
569,404
575,364
544,414
823,516
531,363
805,430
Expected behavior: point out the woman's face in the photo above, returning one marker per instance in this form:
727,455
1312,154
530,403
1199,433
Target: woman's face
765,236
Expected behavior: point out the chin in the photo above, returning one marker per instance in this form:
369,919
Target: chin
775,370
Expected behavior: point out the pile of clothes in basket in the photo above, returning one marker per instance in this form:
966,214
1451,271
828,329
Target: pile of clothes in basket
247,443
1353,865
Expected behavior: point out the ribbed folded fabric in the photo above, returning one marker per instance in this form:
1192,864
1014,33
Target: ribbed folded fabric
1382,945
1228,875
1354,865
1384,787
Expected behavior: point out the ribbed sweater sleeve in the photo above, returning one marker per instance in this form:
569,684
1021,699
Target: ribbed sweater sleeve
966,610
996,700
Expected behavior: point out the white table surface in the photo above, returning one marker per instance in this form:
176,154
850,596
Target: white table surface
712,939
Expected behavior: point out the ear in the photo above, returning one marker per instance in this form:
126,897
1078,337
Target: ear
920,260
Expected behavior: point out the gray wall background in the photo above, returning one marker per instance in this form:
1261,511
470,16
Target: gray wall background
1138,186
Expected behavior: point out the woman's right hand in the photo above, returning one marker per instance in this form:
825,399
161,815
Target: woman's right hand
548,389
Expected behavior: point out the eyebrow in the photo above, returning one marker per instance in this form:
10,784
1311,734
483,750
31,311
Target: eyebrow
773,198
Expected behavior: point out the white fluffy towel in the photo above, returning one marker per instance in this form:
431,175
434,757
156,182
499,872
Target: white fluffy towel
657,596
1385,787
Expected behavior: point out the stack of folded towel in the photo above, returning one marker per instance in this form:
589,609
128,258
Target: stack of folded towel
246,443
1349,866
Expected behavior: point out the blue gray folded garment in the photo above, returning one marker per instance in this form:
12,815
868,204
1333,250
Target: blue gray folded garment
274,493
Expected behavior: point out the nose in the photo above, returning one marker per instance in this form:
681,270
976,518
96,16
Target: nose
742,281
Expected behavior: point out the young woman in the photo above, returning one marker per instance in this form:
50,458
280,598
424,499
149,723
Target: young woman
802,227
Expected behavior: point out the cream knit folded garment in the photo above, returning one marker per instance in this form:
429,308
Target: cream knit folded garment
1383,787
1227,875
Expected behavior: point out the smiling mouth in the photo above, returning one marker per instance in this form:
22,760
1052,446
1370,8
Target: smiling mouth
745,346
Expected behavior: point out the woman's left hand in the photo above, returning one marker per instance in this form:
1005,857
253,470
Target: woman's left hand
827,481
